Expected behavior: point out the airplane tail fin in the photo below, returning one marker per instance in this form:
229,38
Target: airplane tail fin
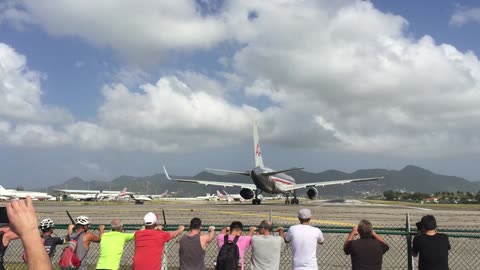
123,192
2,188
256,146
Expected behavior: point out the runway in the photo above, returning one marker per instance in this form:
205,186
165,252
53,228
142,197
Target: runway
326,213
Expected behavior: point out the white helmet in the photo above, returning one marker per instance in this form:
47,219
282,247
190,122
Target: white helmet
46,224
82,220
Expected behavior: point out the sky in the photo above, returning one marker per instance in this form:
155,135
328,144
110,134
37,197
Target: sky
108,88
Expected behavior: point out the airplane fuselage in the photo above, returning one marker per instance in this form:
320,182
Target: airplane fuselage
273,184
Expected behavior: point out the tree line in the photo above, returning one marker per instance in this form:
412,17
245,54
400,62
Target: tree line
437,197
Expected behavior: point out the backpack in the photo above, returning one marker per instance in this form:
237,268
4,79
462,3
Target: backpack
228,256
69,259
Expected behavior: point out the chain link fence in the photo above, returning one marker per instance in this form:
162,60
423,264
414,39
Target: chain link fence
465,247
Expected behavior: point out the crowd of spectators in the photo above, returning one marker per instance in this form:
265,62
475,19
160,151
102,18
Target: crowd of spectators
363,244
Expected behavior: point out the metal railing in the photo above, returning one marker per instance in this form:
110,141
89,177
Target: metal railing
465,247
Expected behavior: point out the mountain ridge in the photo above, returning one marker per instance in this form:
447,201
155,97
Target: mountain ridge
410,178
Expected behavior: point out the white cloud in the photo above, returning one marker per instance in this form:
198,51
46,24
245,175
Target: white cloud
129,75
20,91
140,30
463,16
356,86
168,116
339,75
202,83
31,135
171,111
11,11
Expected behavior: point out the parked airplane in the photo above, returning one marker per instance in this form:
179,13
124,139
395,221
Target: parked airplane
111,197
9,194
93,195
229,197
158,196
85,191
140,199
208,197
224,197
268,180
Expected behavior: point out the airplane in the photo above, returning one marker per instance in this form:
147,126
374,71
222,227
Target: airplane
111,197
230,197
140,199
9,194
84,191
223,197
268,180
208,197
158,196
93,195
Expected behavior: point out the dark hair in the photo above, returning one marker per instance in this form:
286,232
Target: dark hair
46,230
195,223
429,222
236,225
365,229
266,225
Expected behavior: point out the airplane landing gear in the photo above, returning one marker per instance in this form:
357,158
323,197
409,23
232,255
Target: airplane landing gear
294,200
256,200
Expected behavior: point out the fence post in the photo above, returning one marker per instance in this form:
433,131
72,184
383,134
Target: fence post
270,215
409,242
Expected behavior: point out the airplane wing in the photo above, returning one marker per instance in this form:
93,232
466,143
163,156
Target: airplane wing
282,171
329,183
211,183
77,191
246,173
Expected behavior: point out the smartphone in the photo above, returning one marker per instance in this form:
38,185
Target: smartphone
3,215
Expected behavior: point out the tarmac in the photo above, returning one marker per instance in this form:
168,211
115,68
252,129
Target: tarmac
325,213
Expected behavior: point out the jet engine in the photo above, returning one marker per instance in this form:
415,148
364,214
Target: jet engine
247,193
312,193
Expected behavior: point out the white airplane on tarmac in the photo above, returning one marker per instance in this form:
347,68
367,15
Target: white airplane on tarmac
270,181
93,195
230,197
9,194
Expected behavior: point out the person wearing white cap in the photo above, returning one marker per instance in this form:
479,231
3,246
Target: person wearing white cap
149,244
304,239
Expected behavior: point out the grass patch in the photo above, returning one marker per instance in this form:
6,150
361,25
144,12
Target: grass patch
435,206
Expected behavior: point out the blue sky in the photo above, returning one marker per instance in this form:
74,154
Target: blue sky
345,85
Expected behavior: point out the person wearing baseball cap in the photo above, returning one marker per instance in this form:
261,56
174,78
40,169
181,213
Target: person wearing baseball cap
150,242
304,239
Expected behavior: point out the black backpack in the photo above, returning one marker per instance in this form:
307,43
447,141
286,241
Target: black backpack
228,256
